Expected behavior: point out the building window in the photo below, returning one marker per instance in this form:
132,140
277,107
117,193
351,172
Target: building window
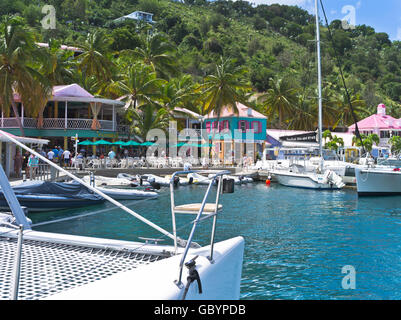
208,126
384,134
224,125
256,126
243,125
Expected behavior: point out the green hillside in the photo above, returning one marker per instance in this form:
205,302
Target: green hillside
268,41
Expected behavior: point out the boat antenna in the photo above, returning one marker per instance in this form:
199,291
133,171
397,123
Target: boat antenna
319,71
339,64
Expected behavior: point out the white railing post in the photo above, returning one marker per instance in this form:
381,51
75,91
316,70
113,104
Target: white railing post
17,265
65,115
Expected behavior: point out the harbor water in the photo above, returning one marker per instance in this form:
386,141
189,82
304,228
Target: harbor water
297,241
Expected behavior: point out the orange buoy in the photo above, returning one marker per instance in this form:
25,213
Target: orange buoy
268,182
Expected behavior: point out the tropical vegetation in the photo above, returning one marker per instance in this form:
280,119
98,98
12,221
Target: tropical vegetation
199,55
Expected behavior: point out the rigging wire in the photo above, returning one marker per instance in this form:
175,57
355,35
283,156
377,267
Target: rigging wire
339,64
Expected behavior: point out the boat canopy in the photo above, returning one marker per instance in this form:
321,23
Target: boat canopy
61,189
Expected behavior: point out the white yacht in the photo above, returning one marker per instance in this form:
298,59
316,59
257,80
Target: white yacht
378,181
321,178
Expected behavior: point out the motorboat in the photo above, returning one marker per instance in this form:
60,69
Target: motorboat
39,196
198,178
107,181
136,180
329,180
128,194
378,181
153,179
54,266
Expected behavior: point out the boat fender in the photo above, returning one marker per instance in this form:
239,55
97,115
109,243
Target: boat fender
191,180
176,181
155,185
228,186
192,276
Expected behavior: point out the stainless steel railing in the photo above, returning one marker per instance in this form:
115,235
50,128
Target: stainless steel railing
217,176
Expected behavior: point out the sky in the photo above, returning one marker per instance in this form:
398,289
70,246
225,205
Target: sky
382,15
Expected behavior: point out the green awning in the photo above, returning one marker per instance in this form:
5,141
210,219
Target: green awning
86,143
118,142
102,142
148,143
130,143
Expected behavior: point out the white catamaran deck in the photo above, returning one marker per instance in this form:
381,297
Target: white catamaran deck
48,268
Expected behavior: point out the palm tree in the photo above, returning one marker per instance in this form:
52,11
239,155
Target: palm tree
93,61
224,89
280,99
146,118
156,51
139,86
345,117
17,75
395,142
367,141
58,64
304,116
178,92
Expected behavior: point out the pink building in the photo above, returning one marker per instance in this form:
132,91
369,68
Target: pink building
383,125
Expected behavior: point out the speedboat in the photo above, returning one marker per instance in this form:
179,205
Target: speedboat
198,179
110,182
128,194
153,179
329,180
39,196
378,181
136,180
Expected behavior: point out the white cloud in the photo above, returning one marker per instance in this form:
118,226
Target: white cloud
398,34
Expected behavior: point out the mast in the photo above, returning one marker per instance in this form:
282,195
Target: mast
319,71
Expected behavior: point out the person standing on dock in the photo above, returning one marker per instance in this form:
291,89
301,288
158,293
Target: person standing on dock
50,155
60,156
33,164
66,157
18,159
25,164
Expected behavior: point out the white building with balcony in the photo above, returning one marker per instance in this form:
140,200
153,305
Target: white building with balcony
71,110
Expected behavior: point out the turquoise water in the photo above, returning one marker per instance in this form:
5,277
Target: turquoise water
296,240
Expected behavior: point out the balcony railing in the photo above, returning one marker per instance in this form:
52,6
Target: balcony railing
57,123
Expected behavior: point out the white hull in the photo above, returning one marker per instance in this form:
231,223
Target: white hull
220,280
303,180
128,194
378,181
